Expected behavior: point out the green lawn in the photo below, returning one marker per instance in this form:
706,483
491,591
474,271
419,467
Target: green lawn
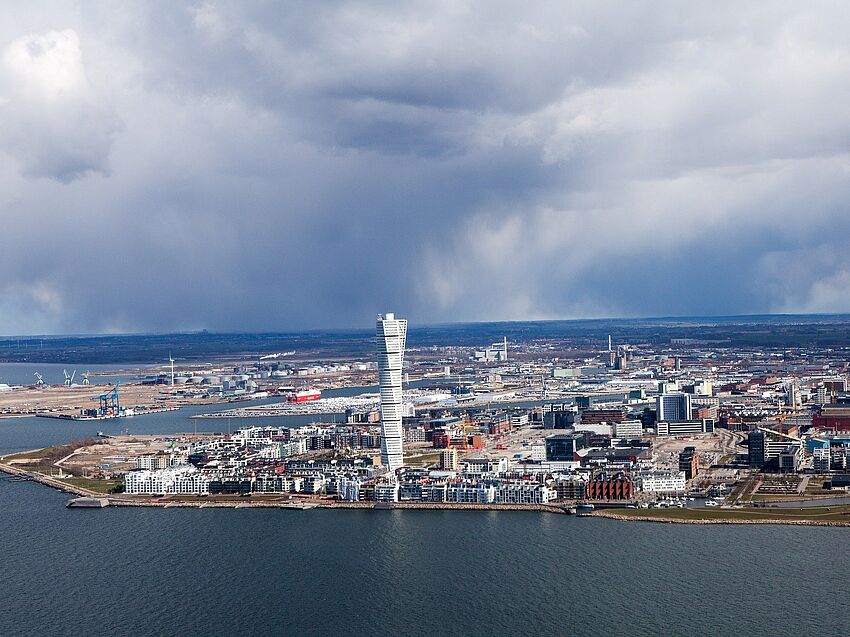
38,467
777,497
742,488
423,460
93,484
833,513
35,454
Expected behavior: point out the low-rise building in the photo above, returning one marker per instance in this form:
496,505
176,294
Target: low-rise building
434,492
470,493
294,447
571,487
178,480
449,459
661,481
628,429
563,447
822,459
685,427
386,492
607,487
476,467
689,462
523,492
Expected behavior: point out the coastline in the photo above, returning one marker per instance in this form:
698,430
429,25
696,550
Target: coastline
611,515
297,503
300,504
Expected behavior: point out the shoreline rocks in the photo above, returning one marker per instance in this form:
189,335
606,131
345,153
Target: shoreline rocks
639,518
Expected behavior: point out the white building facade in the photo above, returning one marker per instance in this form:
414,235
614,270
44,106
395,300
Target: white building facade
186,480
392,335
661,481
628,429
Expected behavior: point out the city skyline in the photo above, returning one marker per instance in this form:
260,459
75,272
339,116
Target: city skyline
421,318
249,167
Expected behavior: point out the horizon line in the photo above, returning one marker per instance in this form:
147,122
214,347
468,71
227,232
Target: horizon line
415,326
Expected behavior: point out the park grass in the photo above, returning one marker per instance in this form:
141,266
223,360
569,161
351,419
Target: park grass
35,454
53,453
37,466
776,497
93,484
423,460
815,486
743,488
838,513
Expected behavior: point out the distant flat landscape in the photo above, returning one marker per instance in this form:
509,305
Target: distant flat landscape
765,330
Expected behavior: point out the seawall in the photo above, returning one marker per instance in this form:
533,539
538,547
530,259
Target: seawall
639,518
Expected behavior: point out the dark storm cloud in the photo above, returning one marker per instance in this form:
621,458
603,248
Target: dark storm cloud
266,166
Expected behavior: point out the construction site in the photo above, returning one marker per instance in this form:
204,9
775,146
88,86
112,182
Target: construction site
94,402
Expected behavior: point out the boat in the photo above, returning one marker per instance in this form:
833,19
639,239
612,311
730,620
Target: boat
304,396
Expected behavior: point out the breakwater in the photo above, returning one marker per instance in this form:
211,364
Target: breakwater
646,518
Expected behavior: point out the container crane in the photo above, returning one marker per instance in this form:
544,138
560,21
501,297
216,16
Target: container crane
110,406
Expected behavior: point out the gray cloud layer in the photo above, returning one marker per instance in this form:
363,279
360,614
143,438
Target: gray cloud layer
272,166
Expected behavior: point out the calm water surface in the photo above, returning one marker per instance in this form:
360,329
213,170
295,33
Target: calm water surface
262,572
52,373
22,434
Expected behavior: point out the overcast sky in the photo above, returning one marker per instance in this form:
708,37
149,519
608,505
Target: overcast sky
275,166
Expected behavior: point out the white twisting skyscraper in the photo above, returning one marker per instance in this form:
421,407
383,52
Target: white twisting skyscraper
392,334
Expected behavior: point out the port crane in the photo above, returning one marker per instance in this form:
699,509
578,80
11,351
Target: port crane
109,403
39,380
86,378
69,380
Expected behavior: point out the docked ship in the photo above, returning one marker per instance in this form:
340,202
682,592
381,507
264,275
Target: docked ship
304,396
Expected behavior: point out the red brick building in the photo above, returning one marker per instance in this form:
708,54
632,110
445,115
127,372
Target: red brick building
597,416
605,488
835,417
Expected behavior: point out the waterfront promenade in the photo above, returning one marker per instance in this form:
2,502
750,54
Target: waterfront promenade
821,516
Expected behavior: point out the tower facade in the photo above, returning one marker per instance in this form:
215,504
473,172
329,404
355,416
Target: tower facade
392,335
673,407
